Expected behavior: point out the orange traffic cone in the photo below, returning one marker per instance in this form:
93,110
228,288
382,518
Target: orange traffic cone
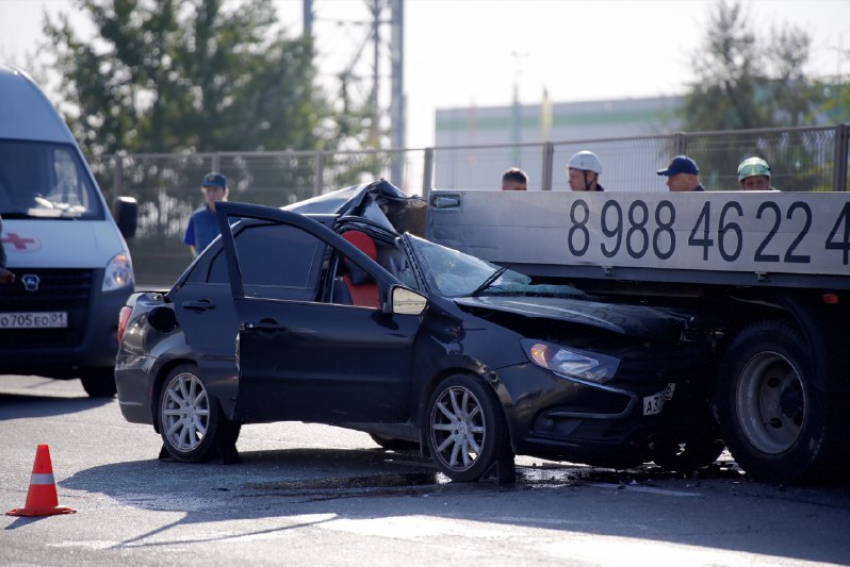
41,498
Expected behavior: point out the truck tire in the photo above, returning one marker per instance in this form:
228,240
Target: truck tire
775,420
98,382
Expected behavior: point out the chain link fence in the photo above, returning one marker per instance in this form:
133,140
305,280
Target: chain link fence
167,186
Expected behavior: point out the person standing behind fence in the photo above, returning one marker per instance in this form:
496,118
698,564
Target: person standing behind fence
6,276
682,175
514,179
203,224
754,175
583,171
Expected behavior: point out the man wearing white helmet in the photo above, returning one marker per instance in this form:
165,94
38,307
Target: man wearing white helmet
754,175
583,171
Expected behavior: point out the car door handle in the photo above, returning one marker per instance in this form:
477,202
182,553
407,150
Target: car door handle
449,202
265,326
198,306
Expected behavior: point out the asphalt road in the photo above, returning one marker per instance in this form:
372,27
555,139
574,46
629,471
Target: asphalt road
316,495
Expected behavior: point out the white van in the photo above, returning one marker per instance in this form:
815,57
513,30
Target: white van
72,266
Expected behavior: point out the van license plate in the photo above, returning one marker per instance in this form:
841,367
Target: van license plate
34,320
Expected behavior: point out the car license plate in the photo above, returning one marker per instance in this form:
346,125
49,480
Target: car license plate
34,320
653,404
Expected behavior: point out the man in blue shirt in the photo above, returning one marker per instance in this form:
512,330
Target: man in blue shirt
203,224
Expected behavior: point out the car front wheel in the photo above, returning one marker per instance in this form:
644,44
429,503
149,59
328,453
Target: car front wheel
691,441
191,423
466,431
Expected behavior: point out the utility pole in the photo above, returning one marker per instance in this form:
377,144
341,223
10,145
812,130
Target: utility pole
516,118
307,15
368,33
398,134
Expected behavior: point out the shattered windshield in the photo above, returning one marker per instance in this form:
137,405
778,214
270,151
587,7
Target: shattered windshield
454,274
41,180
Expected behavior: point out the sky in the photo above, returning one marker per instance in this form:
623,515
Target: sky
460,53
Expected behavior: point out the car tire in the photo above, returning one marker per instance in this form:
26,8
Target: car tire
191,422
775,421
466,431
393,443
99,382
695,442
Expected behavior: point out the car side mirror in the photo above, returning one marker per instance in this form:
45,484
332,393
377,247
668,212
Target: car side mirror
406,301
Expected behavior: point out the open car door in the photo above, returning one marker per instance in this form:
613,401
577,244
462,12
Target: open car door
312,359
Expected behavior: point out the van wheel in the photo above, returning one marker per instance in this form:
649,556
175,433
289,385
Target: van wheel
191,422
466,431
775,420
98,382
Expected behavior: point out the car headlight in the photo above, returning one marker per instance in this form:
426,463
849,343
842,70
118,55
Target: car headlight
118,273
590,366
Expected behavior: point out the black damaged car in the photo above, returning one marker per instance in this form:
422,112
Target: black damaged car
346,319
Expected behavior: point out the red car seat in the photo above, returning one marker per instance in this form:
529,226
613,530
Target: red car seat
361,285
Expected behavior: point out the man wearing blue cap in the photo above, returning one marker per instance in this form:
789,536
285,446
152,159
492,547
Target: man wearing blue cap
203,224
682,175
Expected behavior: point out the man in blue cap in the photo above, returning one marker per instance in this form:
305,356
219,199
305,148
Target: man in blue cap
203,224
682,175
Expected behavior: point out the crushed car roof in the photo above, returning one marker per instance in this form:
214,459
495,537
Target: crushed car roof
379,201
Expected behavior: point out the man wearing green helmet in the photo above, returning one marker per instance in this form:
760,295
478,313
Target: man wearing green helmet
754,175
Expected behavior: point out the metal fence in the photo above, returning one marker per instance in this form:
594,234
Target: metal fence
167,186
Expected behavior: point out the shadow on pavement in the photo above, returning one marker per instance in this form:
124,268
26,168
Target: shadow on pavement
20,406
332,484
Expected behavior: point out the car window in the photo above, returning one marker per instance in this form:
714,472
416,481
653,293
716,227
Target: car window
449,272
274,256
452,273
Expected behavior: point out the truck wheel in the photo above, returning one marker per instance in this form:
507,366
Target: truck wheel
466,431
774,419
98,382
191,422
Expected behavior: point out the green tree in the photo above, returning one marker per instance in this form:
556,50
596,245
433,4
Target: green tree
746,81
191,75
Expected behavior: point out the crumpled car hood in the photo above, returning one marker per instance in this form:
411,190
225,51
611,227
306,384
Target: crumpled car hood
631,320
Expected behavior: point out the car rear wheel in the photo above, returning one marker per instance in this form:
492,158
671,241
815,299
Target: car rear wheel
191,423
467,435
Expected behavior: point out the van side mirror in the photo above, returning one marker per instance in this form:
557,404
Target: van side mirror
125,210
